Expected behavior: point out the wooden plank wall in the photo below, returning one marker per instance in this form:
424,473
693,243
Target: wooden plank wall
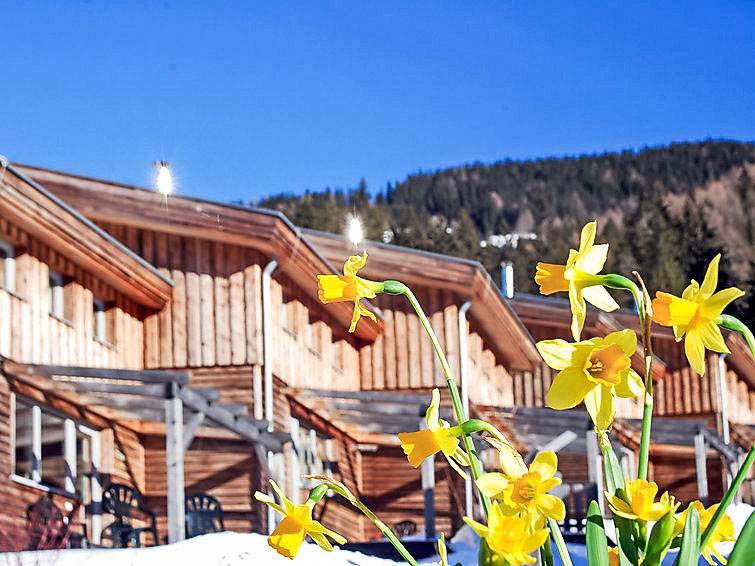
393,490
402,358
31,335
675,473
215,317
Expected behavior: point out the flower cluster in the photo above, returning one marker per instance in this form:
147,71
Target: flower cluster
520,510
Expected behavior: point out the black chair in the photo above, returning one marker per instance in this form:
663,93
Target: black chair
203,515
126,505
404,528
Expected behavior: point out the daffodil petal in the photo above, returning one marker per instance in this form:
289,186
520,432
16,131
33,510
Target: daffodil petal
587,237
626,340
432,411
598,296
711,336
556,353
710,282
320,540
599,403
267,500
551,506
354,264
715,305
545,463
569,387
479,528
695,351
592,262
511,462
492,484
631,385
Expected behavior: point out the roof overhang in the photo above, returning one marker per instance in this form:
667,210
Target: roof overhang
51,221
490,311
266,231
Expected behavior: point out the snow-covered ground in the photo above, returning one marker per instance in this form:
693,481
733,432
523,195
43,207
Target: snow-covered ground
247,549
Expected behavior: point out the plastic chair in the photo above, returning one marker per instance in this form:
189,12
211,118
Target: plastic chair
203,515
126,505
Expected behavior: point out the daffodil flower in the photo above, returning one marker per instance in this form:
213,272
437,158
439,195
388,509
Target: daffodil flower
297,522
593,370
579,277
724,529
693,315
349,287
435,438
640,501
513,537
524,490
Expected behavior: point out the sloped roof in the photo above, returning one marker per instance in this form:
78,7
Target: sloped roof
490,310
52,221
268,231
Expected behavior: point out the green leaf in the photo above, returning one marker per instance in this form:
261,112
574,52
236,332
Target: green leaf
614,475
546,553
689,552
742,554
595,534
560,544
627,548
660,540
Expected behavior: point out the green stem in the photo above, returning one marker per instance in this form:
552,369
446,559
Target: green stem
615,281
560,544
374,518
741,475
476,425
452,387
733,323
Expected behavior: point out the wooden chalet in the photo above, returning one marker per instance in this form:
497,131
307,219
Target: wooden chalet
186,339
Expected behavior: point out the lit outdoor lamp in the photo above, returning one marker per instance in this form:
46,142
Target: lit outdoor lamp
355,231
164,178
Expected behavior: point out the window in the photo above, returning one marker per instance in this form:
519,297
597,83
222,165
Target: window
288,314
312,452
7,266
100,319
55,301
56,452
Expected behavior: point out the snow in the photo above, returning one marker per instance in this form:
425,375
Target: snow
247,549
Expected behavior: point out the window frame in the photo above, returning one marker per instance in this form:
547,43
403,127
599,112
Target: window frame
9,264
71,429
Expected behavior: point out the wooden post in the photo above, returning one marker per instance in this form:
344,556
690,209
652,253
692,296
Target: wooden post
428,489
175,465
701,467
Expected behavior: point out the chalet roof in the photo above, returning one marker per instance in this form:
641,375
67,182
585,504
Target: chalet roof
268,231
506,335
43,215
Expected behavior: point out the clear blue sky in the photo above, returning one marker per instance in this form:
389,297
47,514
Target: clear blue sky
249,99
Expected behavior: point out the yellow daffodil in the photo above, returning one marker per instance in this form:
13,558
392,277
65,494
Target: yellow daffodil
442,551
349,287
613,556
693,314
724,529
512,537
296,524
640,501
593,370
578,278
524,490
435,438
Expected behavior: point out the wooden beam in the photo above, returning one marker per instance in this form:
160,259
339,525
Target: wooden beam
195,421
145,376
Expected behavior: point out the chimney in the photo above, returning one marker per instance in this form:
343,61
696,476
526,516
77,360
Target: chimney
507,279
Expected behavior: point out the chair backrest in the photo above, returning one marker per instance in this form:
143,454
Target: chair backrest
122,501
47,526
203,515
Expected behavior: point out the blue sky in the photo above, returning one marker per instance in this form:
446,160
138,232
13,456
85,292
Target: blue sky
249,99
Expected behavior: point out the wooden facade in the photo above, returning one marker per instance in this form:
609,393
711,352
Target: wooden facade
197,302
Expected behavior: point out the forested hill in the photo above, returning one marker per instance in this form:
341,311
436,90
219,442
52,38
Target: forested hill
665,211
